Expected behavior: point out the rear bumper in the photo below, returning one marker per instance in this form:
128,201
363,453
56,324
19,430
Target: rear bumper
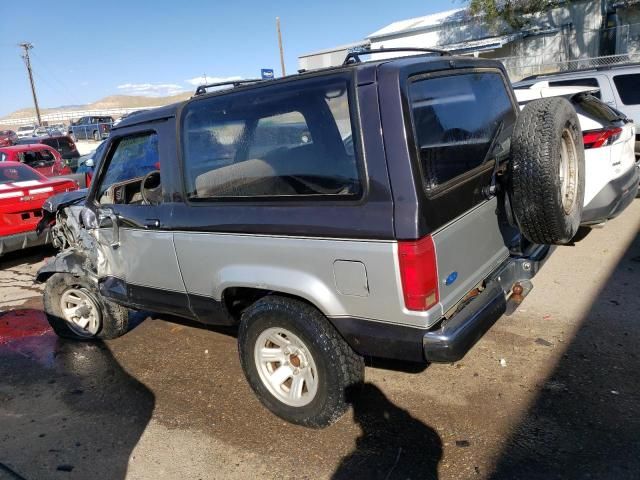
612,199
455,336
452,338
19,241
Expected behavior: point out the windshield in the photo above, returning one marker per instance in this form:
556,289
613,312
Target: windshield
17,173
25,129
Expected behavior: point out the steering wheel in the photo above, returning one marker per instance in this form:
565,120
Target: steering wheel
151,195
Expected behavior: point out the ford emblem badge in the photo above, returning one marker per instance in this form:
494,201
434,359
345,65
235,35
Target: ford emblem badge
453,276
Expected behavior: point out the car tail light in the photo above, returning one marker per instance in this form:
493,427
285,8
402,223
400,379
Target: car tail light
601,138
418,273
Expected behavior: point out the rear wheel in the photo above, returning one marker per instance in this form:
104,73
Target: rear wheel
296,362
75,309
547,171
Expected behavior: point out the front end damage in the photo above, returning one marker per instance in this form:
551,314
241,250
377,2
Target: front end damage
68,222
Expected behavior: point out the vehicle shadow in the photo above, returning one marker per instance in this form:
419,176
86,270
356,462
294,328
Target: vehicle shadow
585,421
68,409
28,256
393,444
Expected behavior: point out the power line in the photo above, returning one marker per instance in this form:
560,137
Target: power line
27,61
53,76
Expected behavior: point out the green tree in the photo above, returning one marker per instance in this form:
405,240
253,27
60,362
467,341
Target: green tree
511,11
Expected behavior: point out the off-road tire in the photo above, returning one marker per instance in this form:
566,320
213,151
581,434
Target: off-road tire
115,318
534,180
340,370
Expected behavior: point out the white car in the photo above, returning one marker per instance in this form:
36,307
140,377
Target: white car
26,131
611,175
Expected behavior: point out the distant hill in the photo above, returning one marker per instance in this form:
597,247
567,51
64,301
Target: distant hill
113,101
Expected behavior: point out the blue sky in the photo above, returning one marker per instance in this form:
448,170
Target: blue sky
88,49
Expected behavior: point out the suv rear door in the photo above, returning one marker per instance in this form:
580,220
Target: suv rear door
451,117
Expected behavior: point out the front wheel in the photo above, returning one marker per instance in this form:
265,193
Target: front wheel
75,309
296,362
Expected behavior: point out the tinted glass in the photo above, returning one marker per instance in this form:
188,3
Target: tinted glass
591,107
272,141
17,173
578,82
628,88
132,159
455,119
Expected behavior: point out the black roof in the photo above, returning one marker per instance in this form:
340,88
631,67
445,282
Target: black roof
436,62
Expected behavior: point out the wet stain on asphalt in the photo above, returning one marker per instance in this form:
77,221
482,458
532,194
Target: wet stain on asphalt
67,408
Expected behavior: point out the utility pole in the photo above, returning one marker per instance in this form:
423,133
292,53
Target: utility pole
27,61
280,45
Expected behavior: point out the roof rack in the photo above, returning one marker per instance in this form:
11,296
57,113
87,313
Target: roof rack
202,89
354,57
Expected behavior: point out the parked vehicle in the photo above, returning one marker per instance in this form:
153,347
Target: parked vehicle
408,243
40,131
25,131
87,164
8,138
64,145
91,128
22,193
40,157
611,176
618,87
58,129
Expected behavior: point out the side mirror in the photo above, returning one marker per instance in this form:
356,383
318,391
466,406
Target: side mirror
89,163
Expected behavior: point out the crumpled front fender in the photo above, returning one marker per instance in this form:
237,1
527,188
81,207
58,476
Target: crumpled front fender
69,261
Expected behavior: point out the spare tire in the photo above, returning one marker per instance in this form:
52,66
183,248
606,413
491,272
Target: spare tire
546,178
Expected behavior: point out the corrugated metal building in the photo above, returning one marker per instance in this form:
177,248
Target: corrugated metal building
575,30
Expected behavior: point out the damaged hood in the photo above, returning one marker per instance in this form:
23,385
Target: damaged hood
58,202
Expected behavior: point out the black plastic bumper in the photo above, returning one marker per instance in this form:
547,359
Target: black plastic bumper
452,338
612,199
457,335
11,243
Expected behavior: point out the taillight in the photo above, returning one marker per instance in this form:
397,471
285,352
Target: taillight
601,138
418,273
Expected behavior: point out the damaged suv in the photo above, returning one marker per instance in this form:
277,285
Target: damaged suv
392,208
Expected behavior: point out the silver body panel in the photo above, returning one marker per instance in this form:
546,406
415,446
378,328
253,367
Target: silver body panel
343,278
472,247
145,258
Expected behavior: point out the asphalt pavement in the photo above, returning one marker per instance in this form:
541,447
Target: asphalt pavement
549,392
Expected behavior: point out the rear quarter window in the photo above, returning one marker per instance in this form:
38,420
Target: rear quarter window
628,88
281,141
589,106
455,118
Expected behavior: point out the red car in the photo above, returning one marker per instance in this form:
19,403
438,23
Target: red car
22,193
43,158
8,138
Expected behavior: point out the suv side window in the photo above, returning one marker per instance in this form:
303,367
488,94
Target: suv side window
628,88
455,118
132,158
578,82
275,141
